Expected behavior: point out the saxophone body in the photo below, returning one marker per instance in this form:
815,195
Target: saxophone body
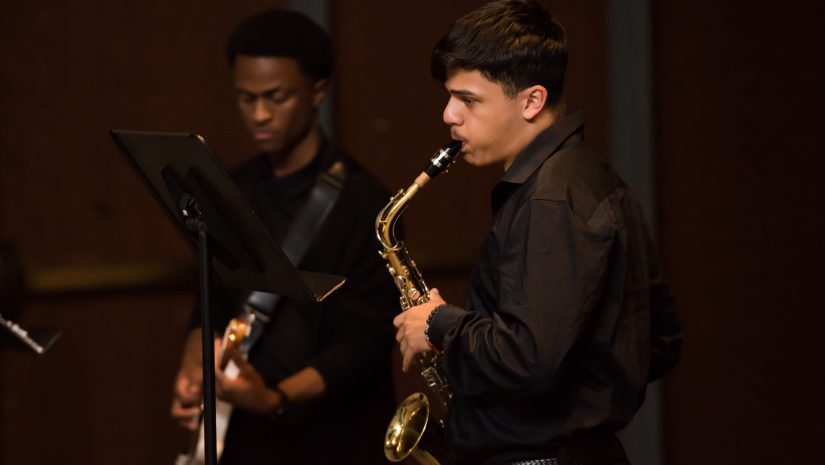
412,431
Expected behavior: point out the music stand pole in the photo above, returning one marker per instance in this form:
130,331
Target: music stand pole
195,223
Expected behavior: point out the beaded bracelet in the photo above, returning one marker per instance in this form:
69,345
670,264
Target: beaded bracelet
437,309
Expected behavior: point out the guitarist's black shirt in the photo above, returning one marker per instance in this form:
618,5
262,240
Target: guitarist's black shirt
347,338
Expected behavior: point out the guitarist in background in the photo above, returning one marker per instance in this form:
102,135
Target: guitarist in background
317,386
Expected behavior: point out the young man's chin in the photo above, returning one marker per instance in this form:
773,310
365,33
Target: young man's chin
268,147
479,160
470,159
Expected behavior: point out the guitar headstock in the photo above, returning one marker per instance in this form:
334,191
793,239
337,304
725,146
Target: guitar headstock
236,332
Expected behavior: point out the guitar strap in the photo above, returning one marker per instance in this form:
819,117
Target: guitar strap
261,305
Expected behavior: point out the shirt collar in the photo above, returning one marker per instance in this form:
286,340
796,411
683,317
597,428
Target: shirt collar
566,130
323,159
297,183
544,145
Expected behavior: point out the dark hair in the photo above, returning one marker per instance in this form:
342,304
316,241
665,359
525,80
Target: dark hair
516,43
283,33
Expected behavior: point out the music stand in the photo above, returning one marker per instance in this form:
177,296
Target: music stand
36,339
198,195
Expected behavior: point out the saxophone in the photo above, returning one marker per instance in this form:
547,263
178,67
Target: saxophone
408,433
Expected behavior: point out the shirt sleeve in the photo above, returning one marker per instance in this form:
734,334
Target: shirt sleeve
553,267
358,320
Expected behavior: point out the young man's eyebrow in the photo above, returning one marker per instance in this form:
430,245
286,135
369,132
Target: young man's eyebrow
269,91
461,92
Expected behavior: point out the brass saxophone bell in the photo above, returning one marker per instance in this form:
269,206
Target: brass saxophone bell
408,434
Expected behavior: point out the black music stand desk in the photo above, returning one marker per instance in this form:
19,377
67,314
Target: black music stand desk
232,243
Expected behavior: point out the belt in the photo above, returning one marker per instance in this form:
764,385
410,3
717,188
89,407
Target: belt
552,461
591,454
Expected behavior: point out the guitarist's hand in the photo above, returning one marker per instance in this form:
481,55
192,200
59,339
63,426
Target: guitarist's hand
186,403
247,391
188,387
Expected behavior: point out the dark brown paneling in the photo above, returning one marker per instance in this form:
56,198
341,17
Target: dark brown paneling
739,99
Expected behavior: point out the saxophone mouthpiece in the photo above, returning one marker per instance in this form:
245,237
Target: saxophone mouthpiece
443,158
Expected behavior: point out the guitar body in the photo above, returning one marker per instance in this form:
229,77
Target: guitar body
233,339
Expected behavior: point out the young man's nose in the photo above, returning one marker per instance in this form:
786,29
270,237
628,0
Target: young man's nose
451,114
261,113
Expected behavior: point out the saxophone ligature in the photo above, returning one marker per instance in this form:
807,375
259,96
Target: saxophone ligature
412,431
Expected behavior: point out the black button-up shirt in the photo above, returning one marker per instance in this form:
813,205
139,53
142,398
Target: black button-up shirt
347,337
568,316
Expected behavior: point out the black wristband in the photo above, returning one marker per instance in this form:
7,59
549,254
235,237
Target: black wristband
285,402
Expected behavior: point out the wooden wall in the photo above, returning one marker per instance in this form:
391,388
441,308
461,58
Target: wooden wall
739,127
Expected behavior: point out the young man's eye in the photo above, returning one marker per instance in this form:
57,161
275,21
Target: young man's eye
467,100
278,99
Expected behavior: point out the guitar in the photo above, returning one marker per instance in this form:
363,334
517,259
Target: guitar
234,337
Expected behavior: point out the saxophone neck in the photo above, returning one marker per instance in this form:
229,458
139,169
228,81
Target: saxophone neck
388,216
386,219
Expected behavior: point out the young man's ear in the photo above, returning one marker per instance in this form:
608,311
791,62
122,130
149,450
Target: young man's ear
534,101
319,91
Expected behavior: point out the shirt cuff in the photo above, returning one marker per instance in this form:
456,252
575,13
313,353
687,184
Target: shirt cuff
443,321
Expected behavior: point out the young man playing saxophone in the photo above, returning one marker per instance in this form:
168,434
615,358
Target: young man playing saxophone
568,316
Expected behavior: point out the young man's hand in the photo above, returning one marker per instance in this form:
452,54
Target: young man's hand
187,392
411,324
186,400
247,391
